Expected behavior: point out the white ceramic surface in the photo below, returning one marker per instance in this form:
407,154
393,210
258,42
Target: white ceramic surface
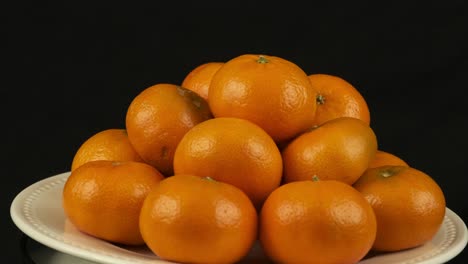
37,211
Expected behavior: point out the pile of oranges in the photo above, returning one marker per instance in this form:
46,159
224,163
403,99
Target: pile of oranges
252,149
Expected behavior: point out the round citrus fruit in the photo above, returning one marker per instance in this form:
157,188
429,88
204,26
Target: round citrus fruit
269,91
110,144
104,198
198,220
409,206
337,98
339,149
199,79
158,118
383,158
234,151
317,222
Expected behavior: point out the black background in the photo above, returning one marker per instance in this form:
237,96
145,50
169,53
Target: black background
71,70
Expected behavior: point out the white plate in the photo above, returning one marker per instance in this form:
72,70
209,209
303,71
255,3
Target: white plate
37,211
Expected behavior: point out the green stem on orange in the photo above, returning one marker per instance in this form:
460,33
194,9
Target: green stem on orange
389,171
312,128
315,178
320,99
386,173
209,179
262,59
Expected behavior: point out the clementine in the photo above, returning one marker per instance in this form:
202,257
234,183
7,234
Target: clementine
339,149
199,79
269,91
158,118
231,150
408,203
198,220
383,158
104,198
317,222
337,98
109,144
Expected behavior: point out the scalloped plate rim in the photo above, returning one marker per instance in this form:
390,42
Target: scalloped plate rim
26,223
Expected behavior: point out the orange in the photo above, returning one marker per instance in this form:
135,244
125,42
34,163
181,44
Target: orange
339,149
110,144
158,118
317,222
199,79
104,198
337,98
409,206
269,91
231,150
383,158
191,219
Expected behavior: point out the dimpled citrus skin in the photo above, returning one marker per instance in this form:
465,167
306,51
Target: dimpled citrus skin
234,151
199,79
104,198
408,203
317,222
337,98
340,149
198,220
109,144
158,118
269,91
383,158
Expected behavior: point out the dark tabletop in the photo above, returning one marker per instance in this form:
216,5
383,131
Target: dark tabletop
72,70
